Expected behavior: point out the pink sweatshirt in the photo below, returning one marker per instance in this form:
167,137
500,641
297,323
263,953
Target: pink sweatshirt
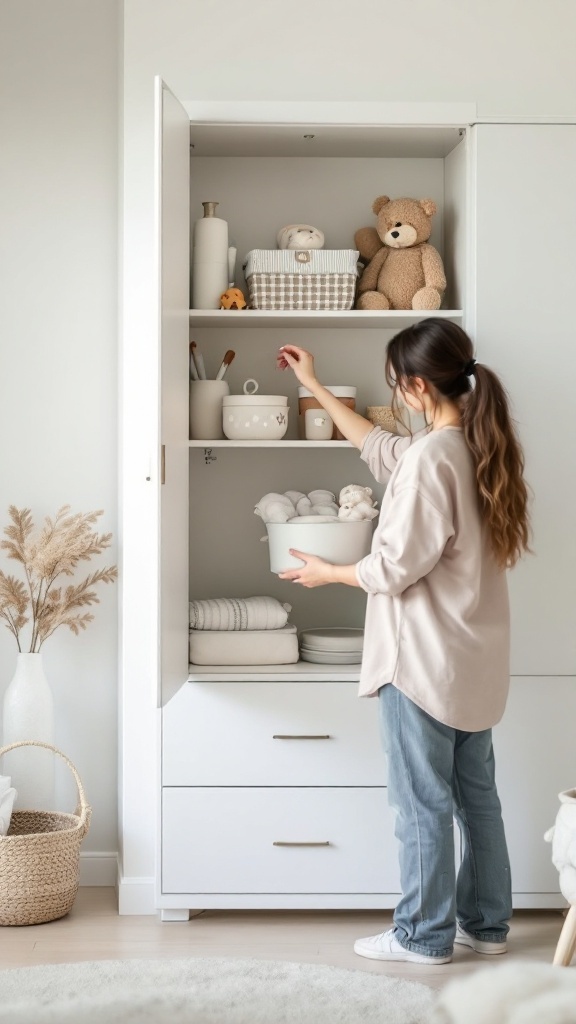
437,616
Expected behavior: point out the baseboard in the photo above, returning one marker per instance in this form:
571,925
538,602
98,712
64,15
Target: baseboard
99,869
538,901
136,896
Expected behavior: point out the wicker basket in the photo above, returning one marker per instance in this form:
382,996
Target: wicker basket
301,278
40,857
382,416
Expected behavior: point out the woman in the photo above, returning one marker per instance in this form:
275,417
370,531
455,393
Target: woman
454,518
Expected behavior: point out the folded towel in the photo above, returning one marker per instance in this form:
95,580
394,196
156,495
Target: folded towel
244,647
282,508
7,798
239,613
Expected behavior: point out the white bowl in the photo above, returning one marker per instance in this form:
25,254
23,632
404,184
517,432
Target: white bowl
254,417
339,542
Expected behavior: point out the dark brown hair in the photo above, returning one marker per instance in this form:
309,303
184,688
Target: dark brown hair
441,353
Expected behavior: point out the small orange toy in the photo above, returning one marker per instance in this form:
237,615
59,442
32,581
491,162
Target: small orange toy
232,299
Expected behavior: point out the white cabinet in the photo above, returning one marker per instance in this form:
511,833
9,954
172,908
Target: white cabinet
228,790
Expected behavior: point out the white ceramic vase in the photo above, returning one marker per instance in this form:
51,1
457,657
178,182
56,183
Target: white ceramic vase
29,715
209,259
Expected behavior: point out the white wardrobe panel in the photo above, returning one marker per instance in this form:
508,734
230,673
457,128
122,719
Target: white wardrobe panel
526,270
535,760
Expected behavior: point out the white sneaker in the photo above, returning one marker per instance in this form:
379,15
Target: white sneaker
479,945
386,947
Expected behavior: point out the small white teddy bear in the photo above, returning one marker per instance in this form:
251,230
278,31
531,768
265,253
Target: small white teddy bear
356,503
300,236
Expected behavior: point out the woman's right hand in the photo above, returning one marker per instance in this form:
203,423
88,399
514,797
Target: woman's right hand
299,360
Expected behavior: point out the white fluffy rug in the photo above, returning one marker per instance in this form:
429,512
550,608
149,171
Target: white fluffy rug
207,991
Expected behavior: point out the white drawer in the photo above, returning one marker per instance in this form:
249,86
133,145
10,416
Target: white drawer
242,734
222,841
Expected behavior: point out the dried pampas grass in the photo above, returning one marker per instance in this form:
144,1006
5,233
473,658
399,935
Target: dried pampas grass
63,542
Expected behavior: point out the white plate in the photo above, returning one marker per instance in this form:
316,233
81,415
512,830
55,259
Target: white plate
330,659
333,638
351,649
337,655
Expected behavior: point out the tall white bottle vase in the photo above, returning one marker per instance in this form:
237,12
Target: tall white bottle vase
209,259
29,715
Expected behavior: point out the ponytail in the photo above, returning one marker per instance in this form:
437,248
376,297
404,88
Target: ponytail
441,353
499,461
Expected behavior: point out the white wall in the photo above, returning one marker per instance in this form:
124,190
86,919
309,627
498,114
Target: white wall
58,336
511,56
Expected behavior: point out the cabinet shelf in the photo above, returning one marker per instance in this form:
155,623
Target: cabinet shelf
302,671
270,444
351,318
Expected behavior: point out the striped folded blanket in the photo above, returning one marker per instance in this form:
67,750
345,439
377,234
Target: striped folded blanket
238,613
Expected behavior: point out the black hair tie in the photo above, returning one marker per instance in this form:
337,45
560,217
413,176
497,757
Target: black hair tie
468,370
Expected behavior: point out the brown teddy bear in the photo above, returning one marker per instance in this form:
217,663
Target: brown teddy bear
404,272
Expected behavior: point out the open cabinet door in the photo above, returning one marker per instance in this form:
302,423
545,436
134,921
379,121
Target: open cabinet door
172,169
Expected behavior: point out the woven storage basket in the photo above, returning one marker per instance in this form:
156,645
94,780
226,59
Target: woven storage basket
382,416
40,857
301,278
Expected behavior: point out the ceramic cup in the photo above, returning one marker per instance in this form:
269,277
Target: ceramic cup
318,425
206,409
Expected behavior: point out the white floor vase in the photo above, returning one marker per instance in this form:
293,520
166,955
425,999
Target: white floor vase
29,715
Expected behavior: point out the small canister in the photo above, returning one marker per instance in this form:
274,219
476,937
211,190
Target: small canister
306,400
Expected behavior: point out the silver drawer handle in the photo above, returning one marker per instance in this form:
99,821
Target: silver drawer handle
301,844
280,736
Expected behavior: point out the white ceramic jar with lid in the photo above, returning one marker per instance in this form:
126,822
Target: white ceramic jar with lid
344,392
252,417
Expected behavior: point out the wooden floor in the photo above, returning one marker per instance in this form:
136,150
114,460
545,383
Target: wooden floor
94,931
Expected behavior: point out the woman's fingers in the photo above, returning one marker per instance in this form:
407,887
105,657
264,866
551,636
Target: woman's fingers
294,350
314,573
285,360
294,574
300,361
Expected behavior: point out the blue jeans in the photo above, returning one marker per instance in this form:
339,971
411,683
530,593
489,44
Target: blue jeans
436,773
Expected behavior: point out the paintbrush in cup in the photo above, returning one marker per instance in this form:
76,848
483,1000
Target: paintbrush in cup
193,370
225,364
199,361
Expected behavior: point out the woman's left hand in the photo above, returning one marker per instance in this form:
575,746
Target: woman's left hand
315,573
